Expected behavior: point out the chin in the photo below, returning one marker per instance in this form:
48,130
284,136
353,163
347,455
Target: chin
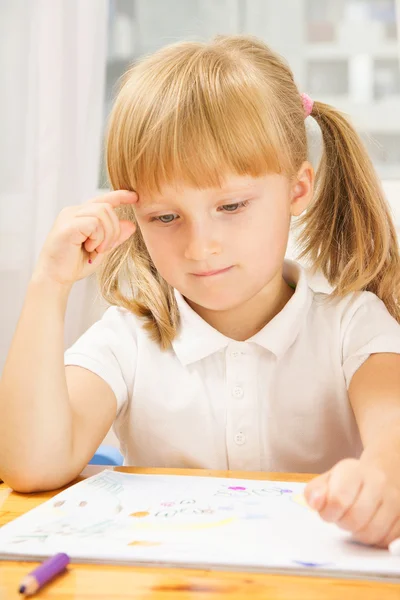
217,301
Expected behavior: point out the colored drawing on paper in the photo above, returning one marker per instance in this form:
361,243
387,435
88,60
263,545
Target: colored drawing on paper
201,522
87,507
83,516
181,526
238,491
182,515
312,565
144,543
58,503
140,514
20,539
107,483
66,528
300,500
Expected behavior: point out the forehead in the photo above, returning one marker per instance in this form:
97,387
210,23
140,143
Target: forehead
229,184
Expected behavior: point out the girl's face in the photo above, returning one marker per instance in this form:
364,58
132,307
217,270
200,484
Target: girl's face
219,247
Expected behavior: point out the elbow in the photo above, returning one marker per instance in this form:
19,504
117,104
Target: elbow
26,483
32,480
23,485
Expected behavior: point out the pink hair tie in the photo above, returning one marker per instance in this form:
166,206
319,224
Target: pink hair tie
307,104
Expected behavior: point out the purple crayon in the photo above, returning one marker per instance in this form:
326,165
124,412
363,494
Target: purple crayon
41,575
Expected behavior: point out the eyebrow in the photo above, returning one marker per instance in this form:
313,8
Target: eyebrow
223,191
151,207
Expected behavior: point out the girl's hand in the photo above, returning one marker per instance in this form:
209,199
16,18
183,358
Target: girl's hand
82,235
359,498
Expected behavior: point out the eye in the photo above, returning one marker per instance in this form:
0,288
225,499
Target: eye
234,207
165,219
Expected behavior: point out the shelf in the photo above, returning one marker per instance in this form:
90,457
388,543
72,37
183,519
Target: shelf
335,51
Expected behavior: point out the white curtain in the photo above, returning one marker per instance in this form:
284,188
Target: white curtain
398,23
52,72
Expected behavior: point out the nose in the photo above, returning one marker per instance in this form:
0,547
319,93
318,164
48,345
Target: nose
202,242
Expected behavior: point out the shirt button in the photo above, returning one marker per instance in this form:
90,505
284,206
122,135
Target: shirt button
237,353
237,392
240,438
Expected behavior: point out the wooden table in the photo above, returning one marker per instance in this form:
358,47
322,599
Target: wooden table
91,582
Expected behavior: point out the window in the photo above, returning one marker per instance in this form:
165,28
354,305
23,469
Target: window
342,52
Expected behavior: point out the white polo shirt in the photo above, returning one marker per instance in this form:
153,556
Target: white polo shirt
276,402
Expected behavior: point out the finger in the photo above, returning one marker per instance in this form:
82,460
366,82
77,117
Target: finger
384,526
95,238
121,229
127,228
116,198
113,228
83,228
109,221
316,491
345,484
394,534
366,505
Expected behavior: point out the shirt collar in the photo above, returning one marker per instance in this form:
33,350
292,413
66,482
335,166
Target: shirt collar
196,339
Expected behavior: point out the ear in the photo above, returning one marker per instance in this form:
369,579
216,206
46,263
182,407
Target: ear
302,189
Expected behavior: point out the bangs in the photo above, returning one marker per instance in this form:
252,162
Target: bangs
193,116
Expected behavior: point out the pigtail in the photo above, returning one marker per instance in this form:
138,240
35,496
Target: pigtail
348,232
145,294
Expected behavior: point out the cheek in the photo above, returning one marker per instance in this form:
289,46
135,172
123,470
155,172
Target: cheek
267,233
159,247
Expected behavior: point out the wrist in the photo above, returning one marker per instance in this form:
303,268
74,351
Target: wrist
384,454
42,281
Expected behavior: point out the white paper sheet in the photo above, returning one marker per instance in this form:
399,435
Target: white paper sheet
203,522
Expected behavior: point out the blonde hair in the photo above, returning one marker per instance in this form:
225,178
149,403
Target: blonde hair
194,112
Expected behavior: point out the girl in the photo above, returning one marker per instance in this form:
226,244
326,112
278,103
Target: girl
216,353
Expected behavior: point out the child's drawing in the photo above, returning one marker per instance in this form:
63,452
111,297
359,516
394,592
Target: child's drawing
189,521
184,514
63,529
300,500
107,483
236,491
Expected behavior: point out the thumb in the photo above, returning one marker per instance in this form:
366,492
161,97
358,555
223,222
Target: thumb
127,228
316,491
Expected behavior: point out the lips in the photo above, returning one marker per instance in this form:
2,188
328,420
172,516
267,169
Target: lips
211,273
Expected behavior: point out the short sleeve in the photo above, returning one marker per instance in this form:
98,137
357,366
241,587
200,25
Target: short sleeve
371,329
109,349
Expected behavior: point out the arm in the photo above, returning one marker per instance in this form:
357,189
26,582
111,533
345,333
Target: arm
364,496
47,430
52,418
375,397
